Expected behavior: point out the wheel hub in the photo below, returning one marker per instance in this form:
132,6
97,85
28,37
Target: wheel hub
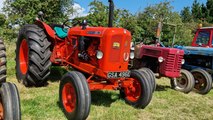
69,97
133,93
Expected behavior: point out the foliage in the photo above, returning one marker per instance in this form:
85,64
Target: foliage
209,5
2,19
25,11
186,15
142,25
196,11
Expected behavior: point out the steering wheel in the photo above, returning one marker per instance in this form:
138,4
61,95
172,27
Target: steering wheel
70,23
66,23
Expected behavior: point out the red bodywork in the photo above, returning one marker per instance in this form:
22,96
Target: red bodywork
209,37
171,65
113,42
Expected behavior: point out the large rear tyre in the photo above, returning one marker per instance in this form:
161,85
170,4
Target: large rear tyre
9,102
139,93
74,96
151,77
185,83
32,56
3,68
203,81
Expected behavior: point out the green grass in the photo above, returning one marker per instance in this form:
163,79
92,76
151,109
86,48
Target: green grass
42,103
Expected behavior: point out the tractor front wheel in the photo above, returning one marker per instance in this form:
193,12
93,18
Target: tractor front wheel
74,96
32,56
151,77
138,93
185,83
9,102
203,81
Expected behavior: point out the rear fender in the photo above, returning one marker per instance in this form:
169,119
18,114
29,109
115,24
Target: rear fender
50,32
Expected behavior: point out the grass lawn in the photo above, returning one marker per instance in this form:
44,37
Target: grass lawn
42,103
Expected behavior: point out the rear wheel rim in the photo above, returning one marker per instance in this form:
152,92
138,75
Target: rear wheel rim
201,81
23,56
69,97
133,92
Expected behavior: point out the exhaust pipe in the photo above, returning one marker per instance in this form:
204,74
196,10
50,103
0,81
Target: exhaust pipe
111,12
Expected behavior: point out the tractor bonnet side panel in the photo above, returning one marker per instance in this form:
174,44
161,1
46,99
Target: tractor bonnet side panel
115,45
171,65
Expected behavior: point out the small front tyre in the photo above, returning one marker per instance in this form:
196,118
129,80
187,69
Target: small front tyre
74,96
10,102
151,77
138,93
185,83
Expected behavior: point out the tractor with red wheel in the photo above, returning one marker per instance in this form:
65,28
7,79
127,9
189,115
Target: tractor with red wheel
98,55
9,96
158,60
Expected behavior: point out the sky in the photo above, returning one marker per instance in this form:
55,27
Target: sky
138,5
132,5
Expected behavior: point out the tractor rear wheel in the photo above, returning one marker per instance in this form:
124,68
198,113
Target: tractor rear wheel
74,96
185,83
203,81
32,56
3,68
9,102
140,93
151,77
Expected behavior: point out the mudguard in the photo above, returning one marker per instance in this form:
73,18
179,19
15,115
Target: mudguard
47,28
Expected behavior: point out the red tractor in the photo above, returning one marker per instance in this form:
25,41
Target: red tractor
98,55
159,60
9,96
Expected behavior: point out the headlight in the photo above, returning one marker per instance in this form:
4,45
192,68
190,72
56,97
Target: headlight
132,55
182,61
99,54
160,59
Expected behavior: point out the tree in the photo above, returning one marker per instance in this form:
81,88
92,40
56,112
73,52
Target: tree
152,15
186,15
204,12
196,10
98,14
209,5
2,19
25,11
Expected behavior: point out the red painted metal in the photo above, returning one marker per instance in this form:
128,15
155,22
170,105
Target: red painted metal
69,97
171,65
133,91
114,43
47,29
205,29
1,111
23,56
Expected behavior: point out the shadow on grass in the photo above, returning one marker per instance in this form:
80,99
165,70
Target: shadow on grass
56,73
104,98
100,98
162,88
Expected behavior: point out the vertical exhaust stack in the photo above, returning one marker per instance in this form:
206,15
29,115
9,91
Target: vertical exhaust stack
111,12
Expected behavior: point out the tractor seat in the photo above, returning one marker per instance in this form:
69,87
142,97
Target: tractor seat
61,32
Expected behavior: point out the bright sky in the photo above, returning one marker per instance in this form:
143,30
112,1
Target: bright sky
132,5
138,5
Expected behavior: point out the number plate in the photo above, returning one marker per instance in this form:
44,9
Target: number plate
118,74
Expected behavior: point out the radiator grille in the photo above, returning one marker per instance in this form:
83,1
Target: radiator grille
173,62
